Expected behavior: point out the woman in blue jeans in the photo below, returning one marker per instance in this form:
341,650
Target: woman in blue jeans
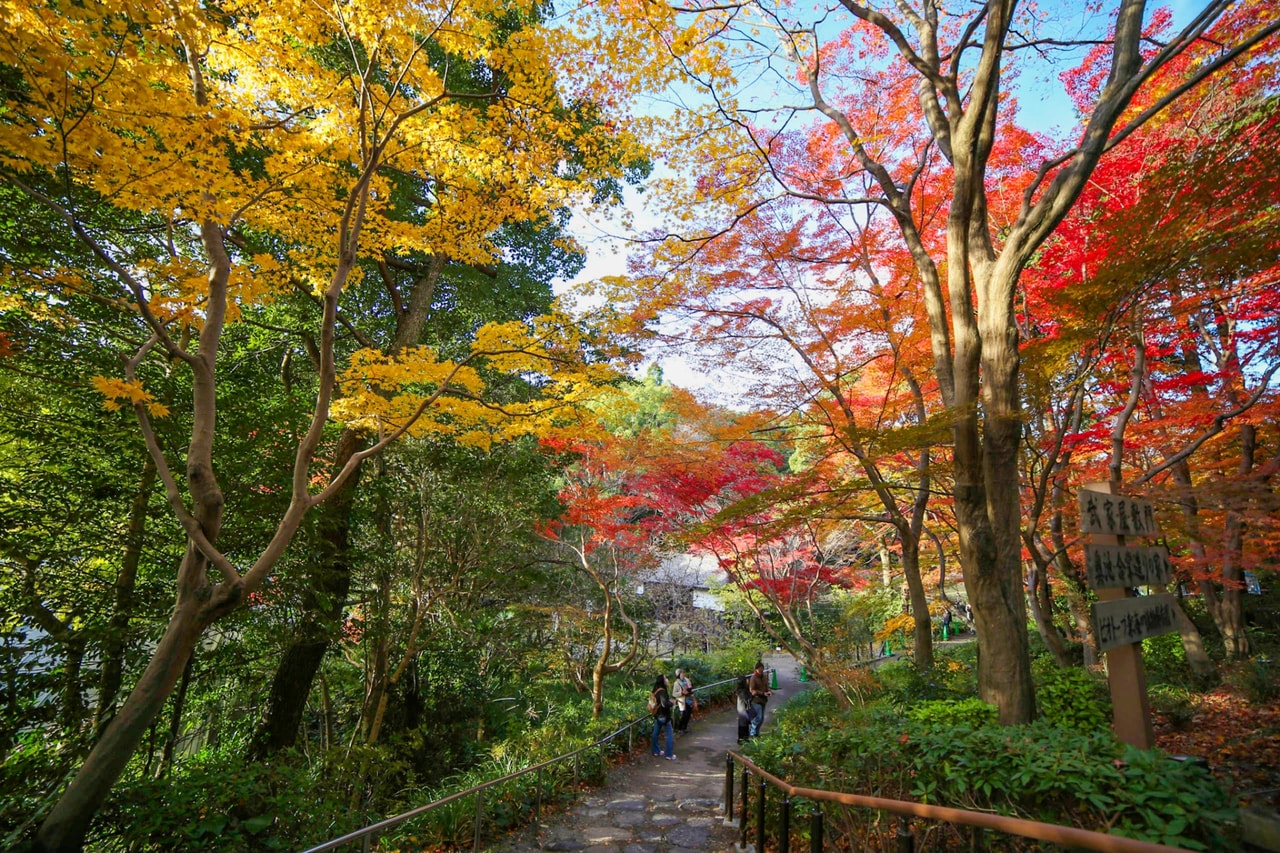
662,718
758,686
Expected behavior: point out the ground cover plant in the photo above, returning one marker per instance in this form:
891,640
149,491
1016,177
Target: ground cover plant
217,802
919,738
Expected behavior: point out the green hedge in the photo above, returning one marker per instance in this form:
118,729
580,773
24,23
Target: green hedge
1040,771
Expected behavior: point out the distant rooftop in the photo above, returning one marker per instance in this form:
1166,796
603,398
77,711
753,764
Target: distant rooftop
699,571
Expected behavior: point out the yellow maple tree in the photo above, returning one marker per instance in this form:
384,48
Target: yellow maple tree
345,132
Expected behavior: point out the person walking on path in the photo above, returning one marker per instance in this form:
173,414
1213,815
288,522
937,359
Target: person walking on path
742,698
758,685
657,806
682,693
662,708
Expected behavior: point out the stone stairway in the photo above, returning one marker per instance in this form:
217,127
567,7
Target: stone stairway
652,805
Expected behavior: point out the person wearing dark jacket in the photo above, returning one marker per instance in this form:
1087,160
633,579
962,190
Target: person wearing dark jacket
662,719
758,685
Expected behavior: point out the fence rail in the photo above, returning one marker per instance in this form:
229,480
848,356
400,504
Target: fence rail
1066,836
368,836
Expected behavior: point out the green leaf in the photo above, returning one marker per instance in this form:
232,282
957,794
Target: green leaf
212,825
254,825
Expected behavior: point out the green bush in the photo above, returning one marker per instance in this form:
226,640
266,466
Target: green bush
805,712
955,669
1165,661
1038,771
216,803
1073,699
967,713
1259,680
1084,779
1177,704
736,659
903,685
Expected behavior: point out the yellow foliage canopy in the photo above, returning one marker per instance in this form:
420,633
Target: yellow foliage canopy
344,130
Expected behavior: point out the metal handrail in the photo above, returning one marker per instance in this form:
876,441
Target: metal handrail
370,833
1067,836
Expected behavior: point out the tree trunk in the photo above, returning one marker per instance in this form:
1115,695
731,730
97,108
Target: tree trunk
116,640
992,571
326,715
923,631
1193,644
64,829
324,599
175,720
1072,587
1232,602
1041,616
1084,628
73,706
991,563
213,726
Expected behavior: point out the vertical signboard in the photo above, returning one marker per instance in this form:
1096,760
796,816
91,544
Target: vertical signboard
1121,621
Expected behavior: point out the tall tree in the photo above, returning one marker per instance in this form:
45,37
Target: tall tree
301,122
433,303
603,533
1173,235
915,93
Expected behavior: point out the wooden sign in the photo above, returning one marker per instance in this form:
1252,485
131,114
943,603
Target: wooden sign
1115,515
1125,621
1120,566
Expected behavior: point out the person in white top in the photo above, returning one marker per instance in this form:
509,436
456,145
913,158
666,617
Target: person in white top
682,694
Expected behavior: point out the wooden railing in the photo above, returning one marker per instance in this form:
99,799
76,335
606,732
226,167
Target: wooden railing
1066,836
368,836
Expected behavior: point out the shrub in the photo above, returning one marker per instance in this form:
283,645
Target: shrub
955,669
1164,659
805,712
965,713
1084,779
1258,680
217,803
1038,771
1176,704
737,659
904,685
1073,699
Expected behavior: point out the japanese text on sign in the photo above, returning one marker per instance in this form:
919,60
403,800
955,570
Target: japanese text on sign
1115,515
1132,620
1116,566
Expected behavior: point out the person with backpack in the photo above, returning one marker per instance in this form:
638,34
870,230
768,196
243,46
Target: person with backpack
660,707
742,697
